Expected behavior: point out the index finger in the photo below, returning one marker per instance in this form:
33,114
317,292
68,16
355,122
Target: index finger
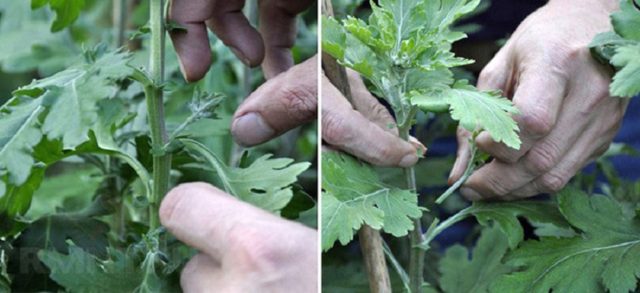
278,30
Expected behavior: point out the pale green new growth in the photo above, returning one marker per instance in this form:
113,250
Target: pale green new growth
404,50
354,196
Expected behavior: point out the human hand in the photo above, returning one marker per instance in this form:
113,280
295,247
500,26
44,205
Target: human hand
282,103
567,117
241,248
364,129
271,46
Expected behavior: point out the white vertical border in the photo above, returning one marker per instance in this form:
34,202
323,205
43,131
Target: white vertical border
319,143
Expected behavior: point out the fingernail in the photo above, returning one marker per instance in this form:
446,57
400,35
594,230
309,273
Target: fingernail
454,171
251,129
240,56
408,161
470,194
419,146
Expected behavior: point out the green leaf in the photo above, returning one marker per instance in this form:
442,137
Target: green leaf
52,232
484,110
505,215
333,38
266,183
605,255
74,97
626,82
626,21
473,272
353,195
19,134
69,192
80,271
67,11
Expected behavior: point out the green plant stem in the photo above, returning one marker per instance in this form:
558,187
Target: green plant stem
467,172
119,21
416,255
155,109
436,227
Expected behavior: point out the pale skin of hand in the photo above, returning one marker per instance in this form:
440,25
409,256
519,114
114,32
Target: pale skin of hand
269,45
241,248
567,116
245,249
364,128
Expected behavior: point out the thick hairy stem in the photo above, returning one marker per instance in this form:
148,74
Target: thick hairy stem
416,255
155,108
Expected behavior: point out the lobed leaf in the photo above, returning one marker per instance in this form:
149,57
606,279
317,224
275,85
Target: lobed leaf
353,196
606,252
19,134
266,183
627,20
505,216
80,271
626,83
474,271
476,110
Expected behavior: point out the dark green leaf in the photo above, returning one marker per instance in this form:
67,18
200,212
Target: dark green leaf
464,271
605,255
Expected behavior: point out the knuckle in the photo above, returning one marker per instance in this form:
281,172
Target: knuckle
300,102
553,182
496,186
538,123
487,74
542,158
334,129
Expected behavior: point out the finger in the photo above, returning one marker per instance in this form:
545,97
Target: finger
553,181
201,274
499,179
539,97
368,105
496,75
232,27
463,155
278,28
282,103
207,219
591,145
191,46
348,130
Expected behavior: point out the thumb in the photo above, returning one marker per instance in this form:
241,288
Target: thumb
282,103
